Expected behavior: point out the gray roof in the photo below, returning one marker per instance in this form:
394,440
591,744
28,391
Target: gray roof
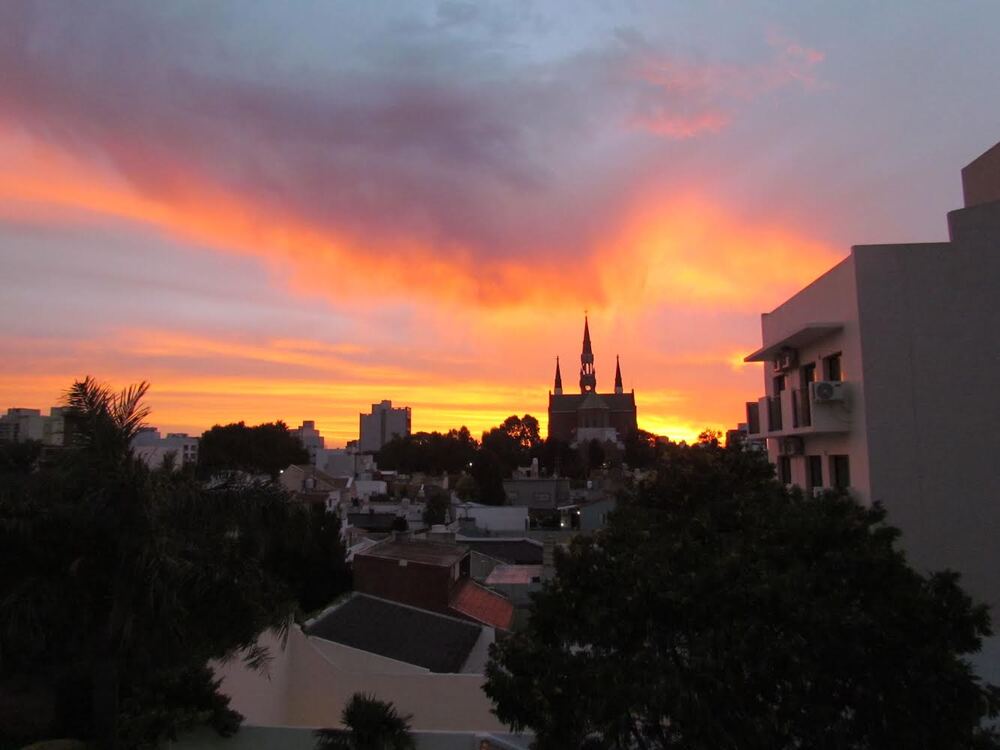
372,521
513,551
396,631
573,401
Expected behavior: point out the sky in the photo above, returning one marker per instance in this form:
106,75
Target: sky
293,210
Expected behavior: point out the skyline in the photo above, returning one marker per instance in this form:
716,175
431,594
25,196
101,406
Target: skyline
419,204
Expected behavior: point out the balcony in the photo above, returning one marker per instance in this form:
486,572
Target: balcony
794,412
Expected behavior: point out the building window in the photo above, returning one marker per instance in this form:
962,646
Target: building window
814,472
785,469
832,369
840,472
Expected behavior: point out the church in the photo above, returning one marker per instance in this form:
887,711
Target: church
588,415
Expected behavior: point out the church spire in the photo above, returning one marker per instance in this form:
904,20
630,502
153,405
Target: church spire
619,388
588,377
558,388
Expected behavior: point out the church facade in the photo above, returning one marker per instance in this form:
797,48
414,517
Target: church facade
588,415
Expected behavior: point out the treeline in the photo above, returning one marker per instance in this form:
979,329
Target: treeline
120,583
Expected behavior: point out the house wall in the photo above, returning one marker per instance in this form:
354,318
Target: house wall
501,518
317,686
416,584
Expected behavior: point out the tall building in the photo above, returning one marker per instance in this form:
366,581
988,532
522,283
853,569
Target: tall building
19,425
383,424
883,377
310,438
154,449
589,415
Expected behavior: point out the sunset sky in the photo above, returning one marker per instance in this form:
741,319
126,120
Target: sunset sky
292,210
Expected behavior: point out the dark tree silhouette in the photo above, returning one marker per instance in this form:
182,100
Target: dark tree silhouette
719,610
261,449
370,724
119,584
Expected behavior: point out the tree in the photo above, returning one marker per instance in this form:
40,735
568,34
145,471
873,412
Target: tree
719,610
513,442
371,725
119,583
488,472
261,449
437,505
429,452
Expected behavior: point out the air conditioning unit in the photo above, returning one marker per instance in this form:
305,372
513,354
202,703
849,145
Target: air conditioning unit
791,446
818,491
785,360
827,391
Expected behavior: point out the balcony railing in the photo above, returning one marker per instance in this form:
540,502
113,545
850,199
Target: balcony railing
801,411
753,418
774,413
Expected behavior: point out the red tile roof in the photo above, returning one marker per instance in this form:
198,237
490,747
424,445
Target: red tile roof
482,605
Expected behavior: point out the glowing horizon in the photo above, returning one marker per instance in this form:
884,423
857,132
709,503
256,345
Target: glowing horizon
419,203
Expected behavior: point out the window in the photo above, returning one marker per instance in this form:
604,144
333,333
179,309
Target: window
779,384
808,374
840,472
785,469
814,472
832,368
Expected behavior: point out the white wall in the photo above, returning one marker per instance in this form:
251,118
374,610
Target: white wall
311,683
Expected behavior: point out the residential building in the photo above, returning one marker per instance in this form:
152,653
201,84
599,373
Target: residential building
881,378
429,665
383,424
310,438
589,415
491,519
178,447
430,575
310,485
19,425
544,493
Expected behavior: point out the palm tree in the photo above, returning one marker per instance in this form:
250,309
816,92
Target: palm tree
118,584
371,725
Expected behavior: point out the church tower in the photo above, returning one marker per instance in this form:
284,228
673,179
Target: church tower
588,377
558,388
619,388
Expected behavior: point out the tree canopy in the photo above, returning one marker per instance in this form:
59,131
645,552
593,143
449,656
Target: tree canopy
429,452
261,449
719,610
118,585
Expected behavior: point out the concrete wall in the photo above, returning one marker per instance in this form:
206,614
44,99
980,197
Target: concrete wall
496,519
931,327
417,584
311,681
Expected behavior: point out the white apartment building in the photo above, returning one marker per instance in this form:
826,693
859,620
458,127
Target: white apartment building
154,449
883,376
19,425
311,439
382,425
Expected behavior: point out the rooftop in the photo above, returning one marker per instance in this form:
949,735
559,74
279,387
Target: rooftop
396,631
514,574
515,551
804,336
444,554
482,605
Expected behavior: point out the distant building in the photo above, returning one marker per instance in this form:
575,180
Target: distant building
19,425
310,438
383,424
345,462
589,415
314,487
547,492
155,450
881,377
